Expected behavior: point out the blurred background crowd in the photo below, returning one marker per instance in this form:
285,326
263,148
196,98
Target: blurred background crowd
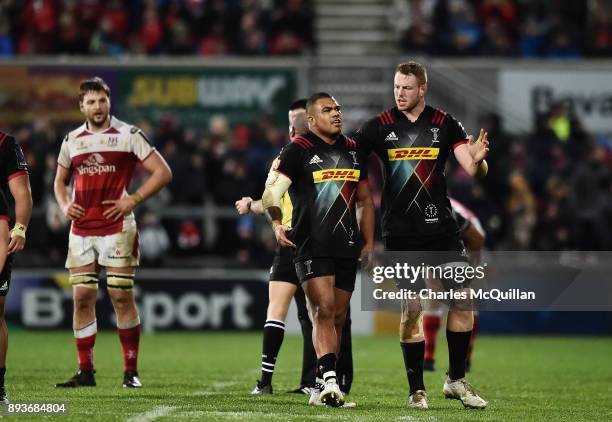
144,27
546,190
535,28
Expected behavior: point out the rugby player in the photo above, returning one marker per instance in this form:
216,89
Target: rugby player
100,155
413,141
325,176
15,182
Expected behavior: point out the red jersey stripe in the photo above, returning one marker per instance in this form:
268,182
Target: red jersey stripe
278,171
389,117
459,143
305,140
2,138
17,174
300,143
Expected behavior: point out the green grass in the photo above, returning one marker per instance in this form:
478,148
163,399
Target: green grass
202,376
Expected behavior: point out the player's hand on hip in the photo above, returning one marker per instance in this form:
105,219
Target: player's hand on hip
73,211
479,148
242,205
118,207
280,232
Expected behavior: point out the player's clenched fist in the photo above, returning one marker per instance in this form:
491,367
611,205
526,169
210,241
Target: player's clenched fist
243,206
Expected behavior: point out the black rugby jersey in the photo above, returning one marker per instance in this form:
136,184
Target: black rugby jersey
414,200
324,181
12,164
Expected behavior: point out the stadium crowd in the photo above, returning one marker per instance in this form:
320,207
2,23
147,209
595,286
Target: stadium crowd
550,190
151,27
540,28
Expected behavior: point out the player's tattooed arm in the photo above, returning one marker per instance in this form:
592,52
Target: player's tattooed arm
276,186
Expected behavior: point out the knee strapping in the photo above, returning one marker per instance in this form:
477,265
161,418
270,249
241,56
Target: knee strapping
89,280
120,281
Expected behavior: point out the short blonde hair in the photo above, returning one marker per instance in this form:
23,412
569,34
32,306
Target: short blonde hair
413,68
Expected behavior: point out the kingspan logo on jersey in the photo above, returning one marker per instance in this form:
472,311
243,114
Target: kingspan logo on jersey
94,164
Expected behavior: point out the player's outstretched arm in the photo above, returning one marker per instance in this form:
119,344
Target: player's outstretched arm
471,156
276,186
21,192
160,175
246,205
366,212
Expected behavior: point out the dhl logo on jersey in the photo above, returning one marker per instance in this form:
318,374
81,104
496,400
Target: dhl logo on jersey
414,153
329,175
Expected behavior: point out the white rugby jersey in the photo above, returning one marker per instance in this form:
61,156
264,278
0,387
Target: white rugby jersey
102,165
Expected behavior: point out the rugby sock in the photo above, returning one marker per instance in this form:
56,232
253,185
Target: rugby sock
472,339
431,325
85,342
129,337
458,343
274,332
413,361
2,372
327,366
344,366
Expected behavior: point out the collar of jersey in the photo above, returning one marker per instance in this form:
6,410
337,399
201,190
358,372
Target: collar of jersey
404,118
110,126
310,135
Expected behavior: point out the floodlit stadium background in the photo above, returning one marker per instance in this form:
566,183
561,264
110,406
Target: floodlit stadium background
210,82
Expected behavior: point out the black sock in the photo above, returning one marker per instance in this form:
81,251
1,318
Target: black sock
2,372
344,366
414,353
327,366
274,331
458,343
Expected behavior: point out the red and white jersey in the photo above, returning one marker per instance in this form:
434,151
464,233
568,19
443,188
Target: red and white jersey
465,216
102,165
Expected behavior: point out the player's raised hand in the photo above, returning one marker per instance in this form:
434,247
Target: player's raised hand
280,231
243,205
119,207
73,211
479,148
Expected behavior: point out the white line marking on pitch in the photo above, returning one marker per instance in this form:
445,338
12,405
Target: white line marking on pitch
151,415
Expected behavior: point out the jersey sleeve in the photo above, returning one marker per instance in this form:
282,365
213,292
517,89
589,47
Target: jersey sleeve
365,137
15,163
456,132
139,143
289,162
63,158
363,161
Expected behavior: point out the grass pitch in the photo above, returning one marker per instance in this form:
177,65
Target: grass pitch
204,376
